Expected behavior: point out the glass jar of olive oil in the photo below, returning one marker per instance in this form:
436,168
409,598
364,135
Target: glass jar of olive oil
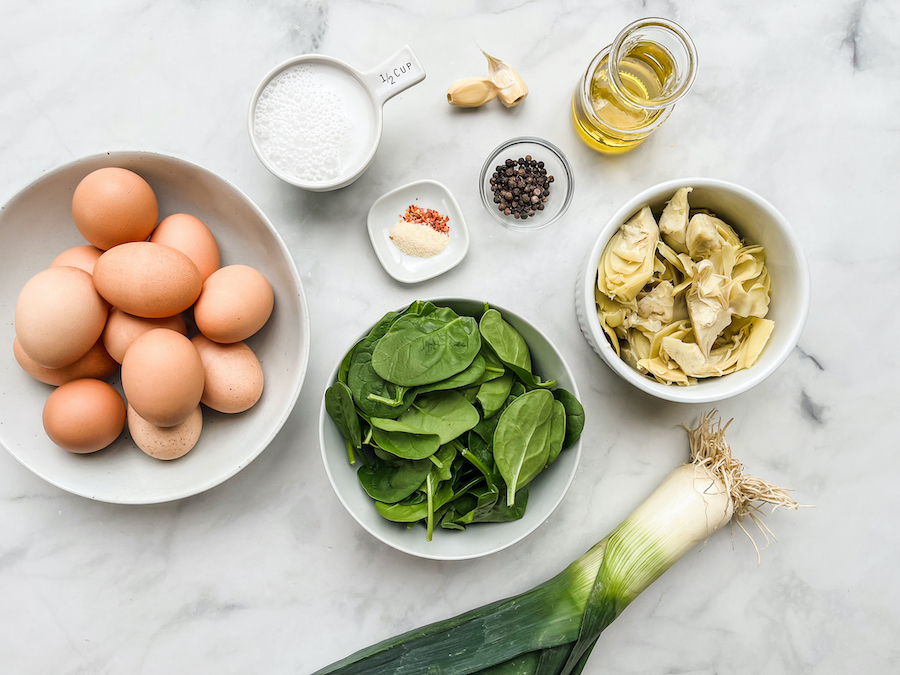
631,86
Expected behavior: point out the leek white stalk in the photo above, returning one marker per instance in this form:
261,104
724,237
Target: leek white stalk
552,629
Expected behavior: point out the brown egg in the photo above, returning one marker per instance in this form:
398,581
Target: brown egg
82,257
97,364
235,303
162,376
84,415
111,206
59,316
122,329
234,378
147,280
165,442
189,235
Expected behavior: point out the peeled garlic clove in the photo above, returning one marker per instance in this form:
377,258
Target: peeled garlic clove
513,89
471,92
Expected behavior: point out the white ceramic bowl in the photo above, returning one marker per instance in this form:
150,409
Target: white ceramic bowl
545,493
36,225
756,221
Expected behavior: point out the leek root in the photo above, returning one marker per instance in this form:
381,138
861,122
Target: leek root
551,629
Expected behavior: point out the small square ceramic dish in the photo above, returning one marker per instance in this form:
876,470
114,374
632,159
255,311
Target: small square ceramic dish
387,210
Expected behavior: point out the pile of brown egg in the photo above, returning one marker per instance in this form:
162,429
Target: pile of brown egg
120,300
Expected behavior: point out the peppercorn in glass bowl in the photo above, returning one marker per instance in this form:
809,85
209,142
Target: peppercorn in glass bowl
526,183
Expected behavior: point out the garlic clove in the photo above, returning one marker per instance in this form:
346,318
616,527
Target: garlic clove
471,92
513,89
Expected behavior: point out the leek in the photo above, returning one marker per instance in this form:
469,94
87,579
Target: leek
551,629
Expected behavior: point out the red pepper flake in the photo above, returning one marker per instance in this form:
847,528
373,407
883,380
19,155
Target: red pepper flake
430,217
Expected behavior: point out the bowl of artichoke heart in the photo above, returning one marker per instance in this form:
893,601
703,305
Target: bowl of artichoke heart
451,428
696,290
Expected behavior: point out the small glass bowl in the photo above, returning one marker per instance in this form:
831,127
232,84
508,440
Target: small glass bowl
557,166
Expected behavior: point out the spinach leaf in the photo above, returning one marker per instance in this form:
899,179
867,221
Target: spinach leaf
493,366
471,375
345,362
522,440
470,393
481,449
445,455
364,382
386,456
485,428
339,406
422,350
493,394
445,413
473,507
574,415
412,513
557,431
481,458
502,512
506,341
391,482
517,389
406,445
511,348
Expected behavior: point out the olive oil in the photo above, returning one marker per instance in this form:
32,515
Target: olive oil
629,88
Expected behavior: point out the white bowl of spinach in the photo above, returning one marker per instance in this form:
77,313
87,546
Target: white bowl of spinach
450,429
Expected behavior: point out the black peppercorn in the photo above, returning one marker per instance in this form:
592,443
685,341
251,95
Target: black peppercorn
521,187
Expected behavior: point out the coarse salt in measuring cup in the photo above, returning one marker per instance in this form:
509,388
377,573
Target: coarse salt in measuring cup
315,122
304,124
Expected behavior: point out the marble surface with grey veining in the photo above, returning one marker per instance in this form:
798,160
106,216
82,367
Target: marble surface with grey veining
267,573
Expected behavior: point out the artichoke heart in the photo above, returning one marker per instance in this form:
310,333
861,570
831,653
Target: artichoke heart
702,237
708,307
674,221
628,261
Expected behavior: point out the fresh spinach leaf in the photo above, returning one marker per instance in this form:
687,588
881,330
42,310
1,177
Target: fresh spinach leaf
471,375
507,343
574,415
345,363
406,445
391,482
470,393
412,513
364,382
557,431
473,507
522,440
445,455
422,350
493,394
501,512
339,406
445,413
511,348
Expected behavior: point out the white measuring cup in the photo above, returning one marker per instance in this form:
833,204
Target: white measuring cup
315,122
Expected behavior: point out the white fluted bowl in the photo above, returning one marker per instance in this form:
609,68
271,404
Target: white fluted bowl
756,221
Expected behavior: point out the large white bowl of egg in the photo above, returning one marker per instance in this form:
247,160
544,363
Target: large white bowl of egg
157,329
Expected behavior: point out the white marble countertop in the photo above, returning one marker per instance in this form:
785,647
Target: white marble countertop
267,573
